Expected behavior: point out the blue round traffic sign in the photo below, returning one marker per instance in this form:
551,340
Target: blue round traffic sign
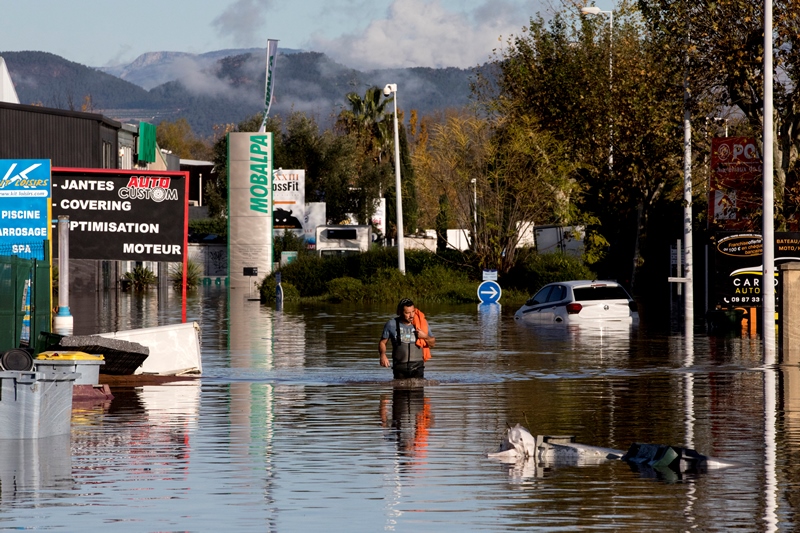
489,292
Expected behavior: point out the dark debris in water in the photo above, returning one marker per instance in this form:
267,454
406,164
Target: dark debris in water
413,383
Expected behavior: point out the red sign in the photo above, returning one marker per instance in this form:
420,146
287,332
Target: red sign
735,191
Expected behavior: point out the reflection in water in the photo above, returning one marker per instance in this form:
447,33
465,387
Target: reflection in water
410,423
281,433
770,450
409,426
164,417
31,470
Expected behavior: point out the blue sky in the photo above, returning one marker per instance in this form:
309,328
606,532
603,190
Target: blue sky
357,33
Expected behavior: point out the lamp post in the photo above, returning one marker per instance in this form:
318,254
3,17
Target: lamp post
474,210
594,10
391,88
723,120
768,224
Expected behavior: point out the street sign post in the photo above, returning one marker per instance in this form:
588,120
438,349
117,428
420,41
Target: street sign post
489,292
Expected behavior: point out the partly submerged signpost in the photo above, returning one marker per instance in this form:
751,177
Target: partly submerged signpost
24,207
251,193
250,202
123,215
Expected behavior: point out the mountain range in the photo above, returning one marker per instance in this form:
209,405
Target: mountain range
223,87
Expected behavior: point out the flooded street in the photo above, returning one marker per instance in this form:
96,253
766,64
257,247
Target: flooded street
295,427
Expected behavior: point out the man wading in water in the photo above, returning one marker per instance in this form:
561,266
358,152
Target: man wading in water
411,342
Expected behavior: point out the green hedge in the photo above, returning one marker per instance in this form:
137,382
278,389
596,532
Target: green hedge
533,270
440,278
209,226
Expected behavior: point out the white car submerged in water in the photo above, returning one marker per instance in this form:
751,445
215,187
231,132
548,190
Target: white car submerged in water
580,302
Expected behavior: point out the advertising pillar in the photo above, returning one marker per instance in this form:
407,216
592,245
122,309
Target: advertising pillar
249,206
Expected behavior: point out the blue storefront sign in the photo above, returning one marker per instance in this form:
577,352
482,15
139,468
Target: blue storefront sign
24,207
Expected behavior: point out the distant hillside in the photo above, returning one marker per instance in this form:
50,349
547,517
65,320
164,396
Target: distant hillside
155,68
47,79
216,88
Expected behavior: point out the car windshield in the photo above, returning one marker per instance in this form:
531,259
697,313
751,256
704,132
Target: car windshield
599,293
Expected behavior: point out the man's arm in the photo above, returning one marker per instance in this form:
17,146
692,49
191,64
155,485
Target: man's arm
382,352
429,339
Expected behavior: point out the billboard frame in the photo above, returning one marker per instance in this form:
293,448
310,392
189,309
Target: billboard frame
100,172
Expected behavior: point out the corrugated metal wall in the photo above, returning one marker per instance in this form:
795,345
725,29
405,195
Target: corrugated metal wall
68,139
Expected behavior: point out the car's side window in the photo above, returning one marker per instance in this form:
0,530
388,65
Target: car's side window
558,293
540,297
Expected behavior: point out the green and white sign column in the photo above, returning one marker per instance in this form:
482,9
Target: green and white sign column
249,207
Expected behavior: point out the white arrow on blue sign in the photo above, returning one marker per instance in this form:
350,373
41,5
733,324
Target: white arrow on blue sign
489,292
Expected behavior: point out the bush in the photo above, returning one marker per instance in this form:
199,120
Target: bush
386,285
436,284
372,261
141,278
446,277
268,293
209,226
534,270
288,242
440,284
345,290
311,274
193,273
419,260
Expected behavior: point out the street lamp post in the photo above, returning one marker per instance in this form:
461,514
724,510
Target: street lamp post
722,120
391,88
594,10
768,224
474,210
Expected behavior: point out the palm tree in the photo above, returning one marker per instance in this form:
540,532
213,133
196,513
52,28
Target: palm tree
366,119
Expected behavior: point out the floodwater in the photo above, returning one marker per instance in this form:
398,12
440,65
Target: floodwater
295,427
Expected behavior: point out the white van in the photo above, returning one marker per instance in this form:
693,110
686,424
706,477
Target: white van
338,240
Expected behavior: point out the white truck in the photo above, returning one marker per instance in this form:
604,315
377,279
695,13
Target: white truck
338,240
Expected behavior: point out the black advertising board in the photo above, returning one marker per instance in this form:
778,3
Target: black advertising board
738,260
125,215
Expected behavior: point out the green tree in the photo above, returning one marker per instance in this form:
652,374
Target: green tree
302,147
216,191
522,176
725,42
366,123
443,222
366,119
340,164
330,161
179,137
559,72
408,184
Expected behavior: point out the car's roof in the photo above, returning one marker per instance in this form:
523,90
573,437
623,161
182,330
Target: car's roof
587,283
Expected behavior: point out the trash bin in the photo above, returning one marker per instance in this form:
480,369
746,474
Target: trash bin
87,365
47,341
35,404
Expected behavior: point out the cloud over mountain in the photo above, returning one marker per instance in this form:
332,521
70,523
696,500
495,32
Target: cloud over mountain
423,33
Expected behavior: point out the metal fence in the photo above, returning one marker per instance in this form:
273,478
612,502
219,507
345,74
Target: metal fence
25,295
26,250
